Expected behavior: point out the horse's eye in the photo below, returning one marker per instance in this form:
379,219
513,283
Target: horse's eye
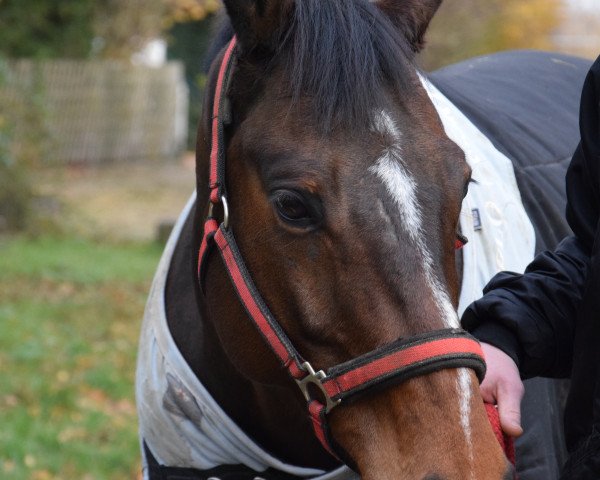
292,208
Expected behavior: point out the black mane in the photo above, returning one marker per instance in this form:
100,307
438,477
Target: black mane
340,54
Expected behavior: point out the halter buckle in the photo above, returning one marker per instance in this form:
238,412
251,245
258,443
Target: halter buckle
222,201
316,379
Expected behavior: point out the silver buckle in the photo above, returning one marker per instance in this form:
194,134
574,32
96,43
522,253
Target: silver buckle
316,378
223,201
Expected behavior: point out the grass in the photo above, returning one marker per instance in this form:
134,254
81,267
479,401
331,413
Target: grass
70,311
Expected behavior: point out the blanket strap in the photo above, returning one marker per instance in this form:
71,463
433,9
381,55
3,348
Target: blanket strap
157,471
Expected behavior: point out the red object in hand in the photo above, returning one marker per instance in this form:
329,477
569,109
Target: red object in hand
505,441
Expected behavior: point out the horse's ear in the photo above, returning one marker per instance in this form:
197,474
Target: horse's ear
412,17
257,22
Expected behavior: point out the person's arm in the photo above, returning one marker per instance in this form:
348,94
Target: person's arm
531,317
528,321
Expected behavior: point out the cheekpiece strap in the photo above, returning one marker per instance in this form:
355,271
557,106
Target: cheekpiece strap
221,115
254,304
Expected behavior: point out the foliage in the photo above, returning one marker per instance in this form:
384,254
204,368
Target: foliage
82,28
41,29
15,190
125,27
188,42
71,313
467,28
524,24
182,11
15,198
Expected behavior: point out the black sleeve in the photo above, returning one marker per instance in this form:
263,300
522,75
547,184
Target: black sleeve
532,316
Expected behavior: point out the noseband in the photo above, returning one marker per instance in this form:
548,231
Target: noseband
395,362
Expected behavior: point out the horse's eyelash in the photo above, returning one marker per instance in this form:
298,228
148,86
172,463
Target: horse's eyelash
472,180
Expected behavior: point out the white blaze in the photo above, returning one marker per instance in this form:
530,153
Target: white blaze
402,187
464,392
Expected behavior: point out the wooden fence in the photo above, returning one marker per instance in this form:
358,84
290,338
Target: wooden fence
97,111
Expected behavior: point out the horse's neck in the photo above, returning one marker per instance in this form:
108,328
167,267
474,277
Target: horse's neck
271,416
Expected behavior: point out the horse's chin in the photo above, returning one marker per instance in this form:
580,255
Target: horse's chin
413,432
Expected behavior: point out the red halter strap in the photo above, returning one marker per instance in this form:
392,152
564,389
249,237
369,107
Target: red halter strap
396,362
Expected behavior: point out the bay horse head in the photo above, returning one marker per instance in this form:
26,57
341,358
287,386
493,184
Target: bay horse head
344,194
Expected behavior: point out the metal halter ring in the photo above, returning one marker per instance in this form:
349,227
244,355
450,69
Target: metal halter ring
222,201
316,378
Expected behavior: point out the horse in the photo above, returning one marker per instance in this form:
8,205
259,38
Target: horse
303,321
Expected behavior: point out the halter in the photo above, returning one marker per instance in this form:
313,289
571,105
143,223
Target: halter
398,361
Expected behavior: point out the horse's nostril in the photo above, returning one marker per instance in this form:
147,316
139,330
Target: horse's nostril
433,476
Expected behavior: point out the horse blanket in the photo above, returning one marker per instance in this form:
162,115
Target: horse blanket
527,104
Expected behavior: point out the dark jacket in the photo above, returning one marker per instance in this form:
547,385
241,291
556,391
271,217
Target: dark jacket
548,319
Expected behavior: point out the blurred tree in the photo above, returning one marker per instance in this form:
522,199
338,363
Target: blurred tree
123,28
188,42
78,29
15,189
182,11
189,37
42,29
466,28
524,24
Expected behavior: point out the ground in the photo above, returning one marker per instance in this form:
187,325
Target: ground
118,201
72,301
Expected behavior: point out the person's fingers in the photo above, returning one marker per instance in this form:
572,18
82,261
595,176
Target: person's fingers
488,390
508,396
502,386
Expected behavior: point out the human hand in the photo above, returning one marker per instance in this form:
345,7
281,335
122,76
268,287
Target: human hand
502,386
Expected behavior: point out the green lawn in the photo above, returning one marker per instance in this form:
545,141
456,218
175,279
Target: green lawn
70,311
